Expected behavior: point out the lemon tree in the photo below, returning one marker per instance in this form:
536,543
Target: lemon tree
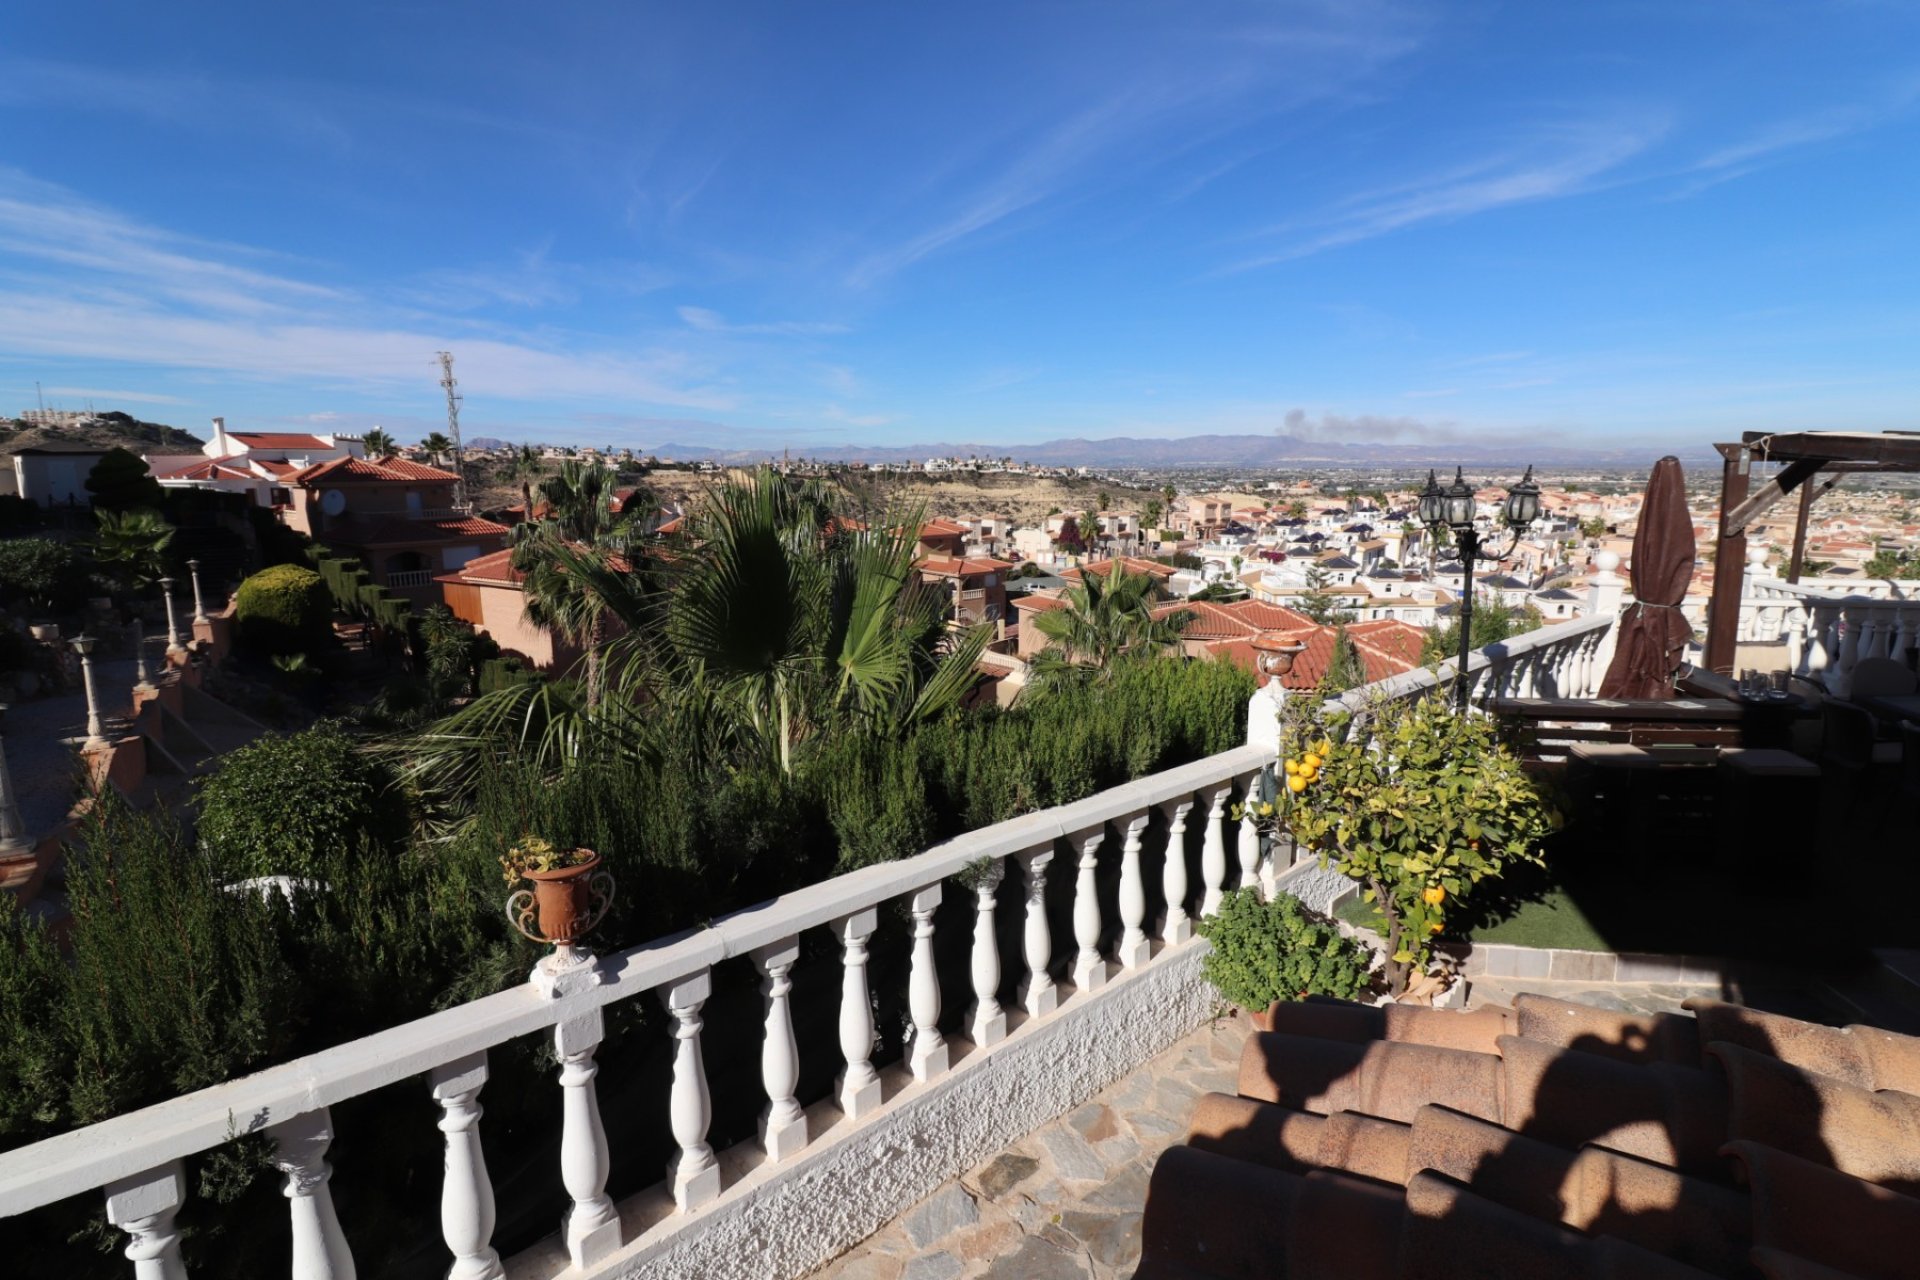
1421,808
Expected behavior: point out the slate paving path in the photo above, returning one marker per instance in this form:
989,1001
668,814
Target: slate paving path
1064,1202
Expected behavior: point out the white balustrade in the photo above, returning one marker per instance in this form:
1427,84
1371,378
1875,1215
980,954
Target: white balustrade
300,1149
1135,948
859,1087
929,1057
1249,837
694,1173
1173,875
783,1125
987,1023
143,1206
1089,966
466,1193
1038,994
593,1225
1213,850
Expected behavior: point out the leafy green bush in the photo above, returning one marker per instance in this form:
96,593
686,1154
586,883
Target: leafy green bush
42,574
284,609
296,805
1268,951
122,481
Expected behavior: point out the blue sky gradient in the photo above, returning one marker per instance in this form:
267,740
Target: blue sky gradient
802,224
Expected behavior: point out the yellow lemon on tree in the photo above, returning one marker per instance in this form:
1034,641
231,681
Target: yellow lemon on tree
1322,748
1293,766
1313,761
1434,927
1435,895
1297,783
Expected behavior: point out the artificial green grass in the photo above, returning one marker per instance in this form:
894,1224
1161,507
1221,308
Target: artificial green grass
1553,920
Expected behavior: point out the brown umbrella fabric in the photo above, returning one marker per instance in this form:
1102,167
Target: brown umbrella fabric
1653,633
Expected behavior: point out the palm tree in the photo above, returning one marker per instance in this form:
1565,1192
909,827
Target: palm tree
1108,618
436,446
131,546
529,465
379,444
565,557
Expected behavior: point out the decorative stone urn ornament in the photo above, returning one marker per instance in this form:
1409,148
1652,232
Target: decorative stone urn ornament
570,895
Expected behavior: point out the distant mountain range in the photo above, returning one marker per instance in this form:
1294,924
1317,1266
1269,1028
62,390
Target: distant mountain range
1252,451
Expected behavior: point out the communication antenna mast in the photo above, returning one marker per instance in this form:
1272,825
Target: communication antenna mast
453,427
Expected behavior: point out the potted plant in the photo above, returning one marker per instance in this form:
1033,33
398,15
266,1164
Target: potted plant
569,894
1267,953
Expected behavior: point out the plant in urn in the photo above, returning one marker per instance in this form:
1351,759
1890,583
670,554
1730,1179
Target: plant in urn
569,896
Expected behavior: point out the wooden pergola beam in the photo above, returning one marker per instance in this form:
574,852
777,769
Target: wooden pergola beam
1750,509
1729,564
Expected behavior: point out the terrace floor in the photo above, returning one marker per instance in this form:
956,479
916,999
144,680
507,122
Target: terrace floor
1064,1202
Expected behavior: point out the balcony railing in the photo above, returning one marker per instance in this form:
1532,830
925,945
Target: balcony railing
1827,633
410,577
1130,988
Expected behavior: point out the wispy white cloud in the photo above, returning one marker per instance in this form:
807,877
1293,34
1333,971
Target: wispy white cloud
1554,163
82,281
1782,140
101,393
707,321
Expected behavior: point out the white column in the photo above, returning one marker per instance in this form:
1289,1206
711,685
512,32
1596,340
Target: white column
466,1195
693,1174
199,606
143,1206
1135,949
96,730
987,1023
1213,850
1089,967
173,623
1173,875
593,1224
1249,841
300,1149
13,829
142,679
783,1125
859,1086
928,1057
1038,995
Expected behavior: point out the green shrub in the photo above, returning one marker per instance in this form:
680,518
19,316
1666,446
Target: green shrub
284,609
296,805
41,573
499,673
1268,951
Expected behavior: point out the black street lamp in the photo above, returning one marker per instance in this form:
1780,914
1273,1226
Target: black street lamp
1453,509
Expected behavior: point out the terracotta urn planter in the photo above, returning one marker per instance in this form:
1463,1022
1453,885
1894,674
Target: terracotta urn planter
565,903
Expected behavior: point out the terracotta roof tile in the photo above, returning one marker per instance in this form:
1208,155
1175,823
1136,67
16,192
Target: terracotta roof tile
351,470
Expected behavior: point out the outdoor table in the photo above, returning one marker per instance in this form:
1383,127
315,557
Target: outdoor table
1894,707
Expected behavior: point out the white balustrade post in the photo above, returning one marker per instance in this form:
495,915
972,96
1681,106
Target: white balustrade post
199,605
1605,592
1089,966
1173,875
859,1086
300,1151
1038,994
142,679
783,1125
173,622
593,1224
1213,850
1135,948
96,729
987,1021
694,1173
1249,840
143,1206
929,1057
466,1194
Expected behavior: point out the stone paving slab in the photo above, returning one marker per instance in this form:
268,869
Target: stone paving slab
1064,1202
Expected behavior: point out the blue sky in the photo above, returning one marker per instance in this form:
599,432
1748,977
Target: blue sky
800,223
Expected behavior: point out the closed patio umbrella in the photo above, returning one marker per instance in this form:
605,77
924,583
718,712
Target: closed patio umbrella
1653,633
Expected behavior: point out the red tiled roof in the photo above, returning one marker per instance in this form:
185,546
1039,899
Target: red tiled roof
943,528
384,531
1398,639
496,568
1133,564
351,470
674,525
1039,603
961,567
278,440
211,469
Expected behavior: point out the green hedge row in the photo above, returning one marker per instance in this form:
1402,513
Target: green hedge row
356,594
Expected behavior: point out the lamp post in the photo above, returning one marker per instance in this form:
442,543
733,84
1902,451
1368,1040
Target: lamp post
1454,510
